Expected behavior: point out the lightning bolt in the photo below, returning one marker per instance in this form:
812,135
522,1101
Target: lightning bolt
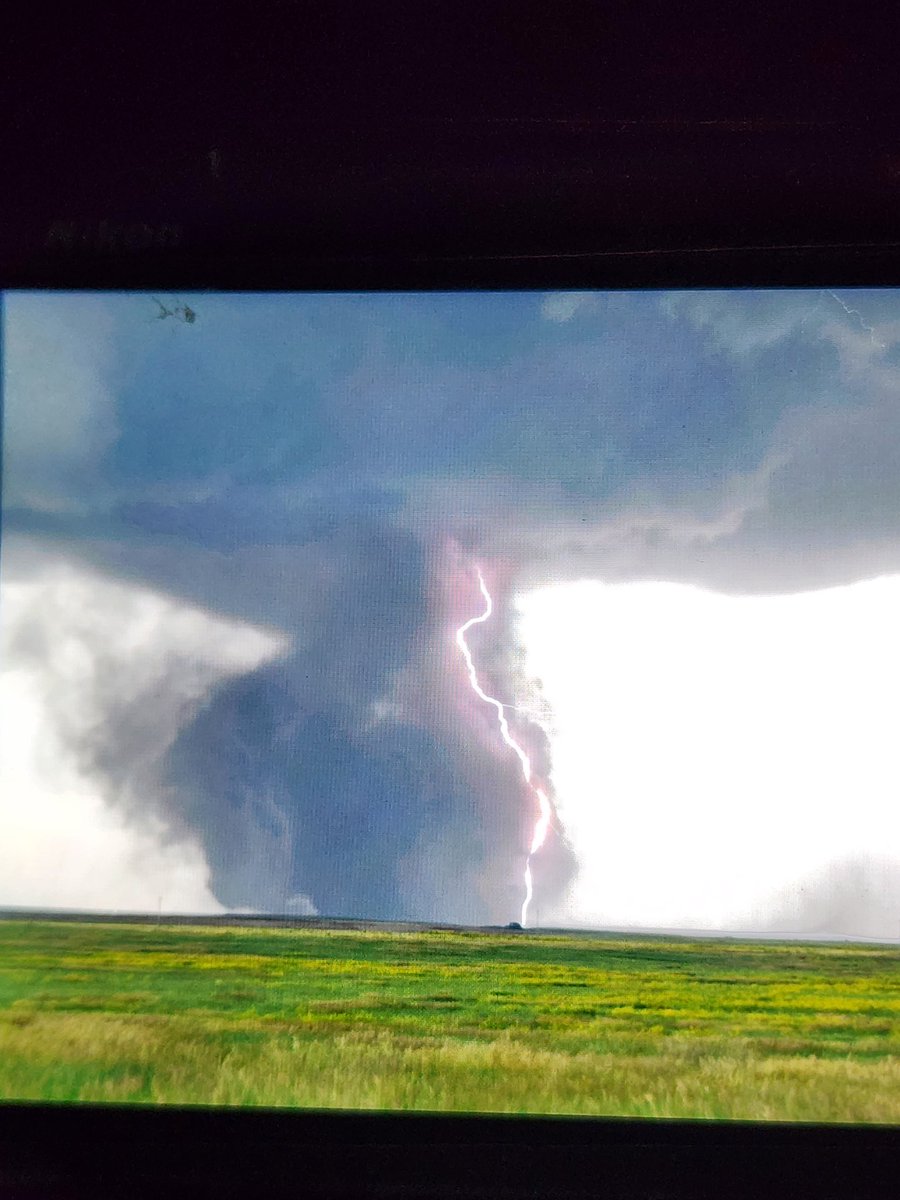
545,812
863,324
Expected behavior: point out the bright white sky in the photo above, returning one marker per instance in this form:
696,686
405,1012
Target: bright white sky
710,750
64,844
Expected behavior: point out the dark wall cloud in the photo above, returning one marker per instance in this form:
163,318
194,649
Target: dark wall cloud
298,756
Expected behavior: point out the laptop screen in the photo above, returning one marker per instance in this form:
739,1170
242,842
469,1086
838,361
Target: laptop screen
473,701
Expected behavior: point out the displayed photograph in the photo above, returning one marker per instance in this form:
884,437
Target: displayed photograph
456,702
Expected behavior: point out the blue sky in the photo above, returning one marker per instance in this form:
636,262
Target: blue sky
299,465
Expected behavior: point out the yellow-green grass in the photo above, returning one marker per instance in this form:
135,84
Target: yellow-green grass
449,1021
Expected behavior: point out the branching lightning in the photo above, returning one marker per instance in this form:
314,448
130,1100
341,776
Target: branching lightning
545,812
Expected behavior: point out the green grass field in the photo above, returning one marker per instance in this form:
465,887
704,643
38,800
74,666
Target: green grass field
458,1021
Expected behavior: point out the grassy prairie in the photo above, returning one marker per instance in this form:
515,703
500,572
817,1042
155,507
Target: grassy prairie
449,1021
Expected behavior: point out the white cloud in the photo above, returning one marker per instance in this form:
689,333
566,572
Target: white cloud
84,660
560,307
712,751
743,322
58,363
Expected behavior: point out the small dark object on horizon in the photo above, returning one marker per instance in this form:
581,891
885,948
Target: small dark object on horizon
514,925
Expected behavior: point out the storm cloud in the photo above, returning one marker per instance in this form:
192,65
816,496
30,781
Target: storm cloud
324,472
